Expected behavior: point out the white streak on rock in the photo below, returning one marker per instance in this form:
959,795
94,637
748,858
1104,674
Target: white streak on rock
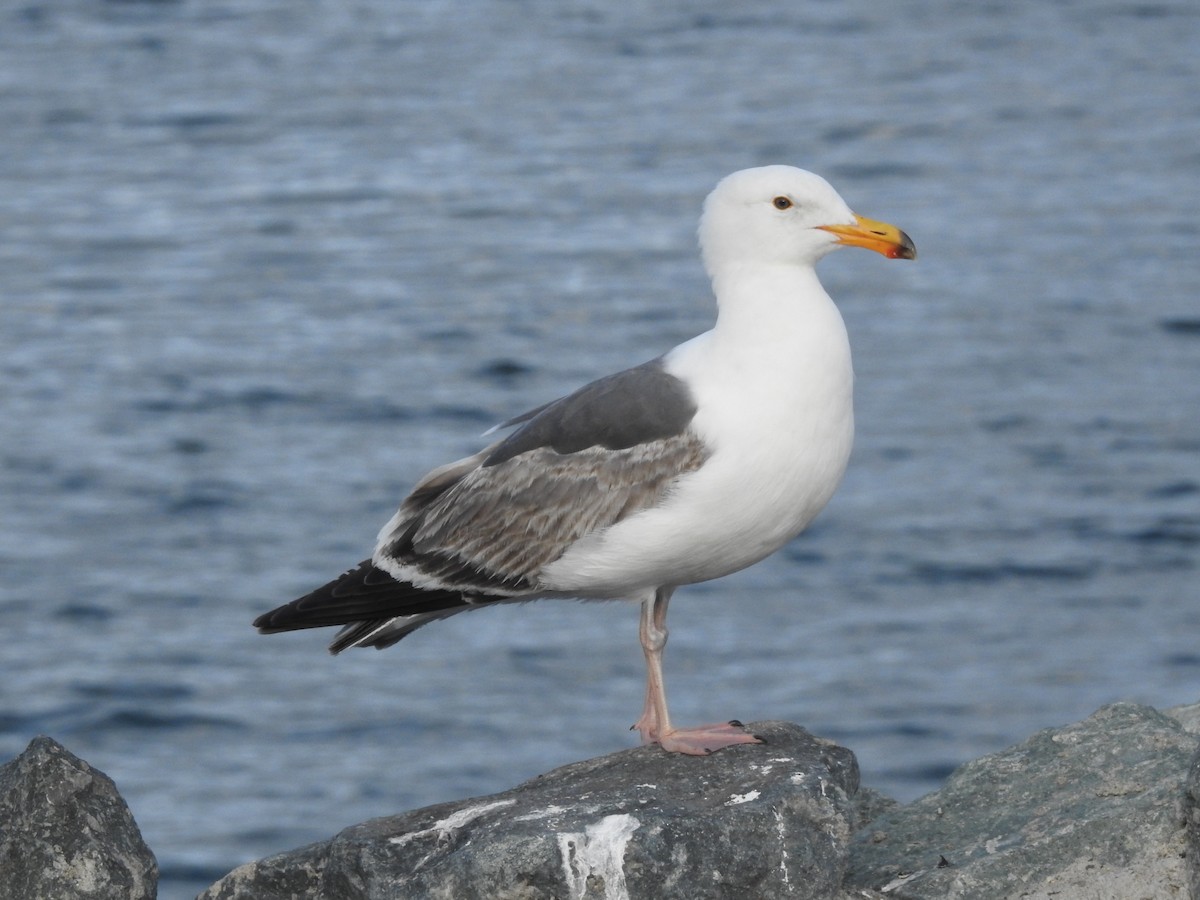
898,882
781,830
541,814
598,853
735,799
444,828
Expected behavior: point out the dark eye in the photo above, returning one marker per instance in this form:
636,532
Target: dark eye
782,203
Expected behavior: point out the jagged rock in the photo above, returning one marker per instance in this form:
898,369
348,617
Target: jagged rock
1092,810
752,821
65,832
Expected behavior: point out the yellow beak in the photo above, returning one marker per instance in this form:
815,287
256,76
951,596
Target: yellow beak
878,236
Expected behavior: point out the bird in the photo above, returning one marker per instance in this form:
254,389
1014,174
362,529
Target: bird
685,468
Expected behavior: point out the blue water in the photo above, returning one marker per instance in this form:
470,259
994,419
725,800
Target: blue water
264,263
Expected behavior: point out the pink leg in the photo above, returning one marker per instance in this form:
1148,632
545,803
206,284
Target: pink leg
655,723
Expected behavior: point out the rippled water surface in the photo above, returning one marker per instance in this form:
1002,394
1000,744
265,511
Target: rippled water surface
264,263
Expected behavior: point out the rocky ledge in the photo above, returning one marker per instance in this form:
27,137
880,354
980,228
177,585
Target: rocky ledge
1105,809
774,822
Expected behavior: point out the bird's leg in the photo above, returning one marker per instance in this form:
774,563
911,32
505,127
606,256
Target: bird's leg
655,722
652,630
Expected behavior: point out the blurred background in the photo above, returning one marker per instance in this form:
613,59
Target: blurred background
264,263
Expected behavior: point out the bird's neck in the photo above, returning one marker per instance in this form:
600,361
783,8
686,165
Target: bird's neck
762,308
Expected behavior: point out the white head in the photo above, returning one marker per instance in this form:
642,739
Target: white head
781,215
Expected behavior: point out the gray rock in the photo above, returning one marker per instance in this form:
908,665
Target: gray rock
294,875
1106,809
65,832
1191,814
1188,716
751,821
1092,810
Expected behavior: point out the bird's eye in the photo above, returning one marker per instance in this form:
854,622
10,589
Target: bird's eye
782,202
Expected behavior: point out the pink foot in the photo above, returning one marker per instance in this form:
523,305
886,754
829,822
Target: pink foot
703,739
655,724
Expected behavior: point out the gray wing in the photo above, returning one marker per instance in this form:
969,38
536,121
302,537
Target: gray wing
491,522
632,407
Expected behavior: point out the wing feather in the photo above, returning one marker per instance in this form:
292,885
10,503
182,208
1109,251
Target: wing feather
496,527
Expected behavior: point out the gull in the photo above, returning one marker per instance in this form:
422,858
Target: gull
683,469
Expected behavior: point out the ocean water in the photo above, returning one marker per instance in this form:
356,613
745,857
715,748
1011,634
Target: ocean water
264,263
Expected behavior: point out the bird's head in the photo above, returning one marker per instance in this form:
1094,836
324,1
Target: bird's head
783,215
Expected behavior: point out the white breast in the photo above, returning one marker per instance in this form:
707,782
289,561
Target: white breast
775,405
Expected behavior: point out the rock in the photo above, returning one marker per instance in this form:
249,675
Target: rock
295,875
1188,716
1092,810
65,832
1191,817
1106,809
751,821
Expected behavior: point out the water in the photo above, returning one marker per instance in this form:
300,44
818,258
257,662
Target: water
264,263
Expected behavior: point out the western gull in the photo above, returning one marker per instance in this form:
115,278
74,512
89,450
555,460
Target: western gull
682,469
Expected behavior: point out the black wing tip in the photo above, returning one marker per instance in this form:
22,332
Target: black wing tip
277,621
266,623
316,609
361,601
